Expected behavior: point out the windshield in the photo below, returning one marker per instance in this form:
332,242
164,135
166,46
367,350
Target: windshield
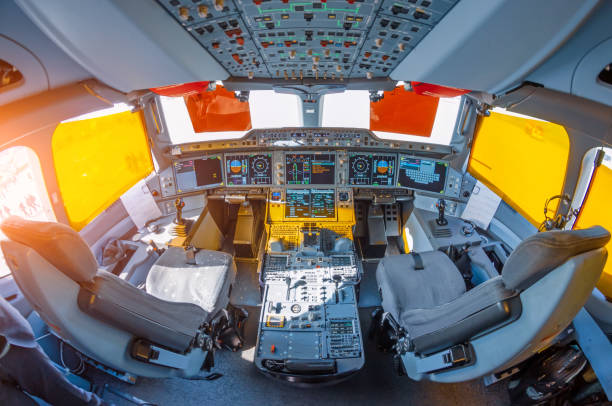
267,110
400,115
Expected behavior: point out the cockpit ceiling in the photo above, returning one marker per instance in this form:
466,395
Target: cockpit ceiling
322,39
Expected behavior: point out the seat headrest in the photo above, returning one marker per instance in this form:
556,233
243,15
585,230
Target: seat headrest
542,252
59,244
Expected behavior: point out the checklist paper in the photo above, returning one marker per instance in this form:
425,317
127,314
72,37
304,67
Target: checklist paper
482,206
140,204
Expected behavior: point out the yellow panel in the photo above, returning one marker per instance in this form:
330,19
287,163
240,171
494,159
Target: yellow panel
596,211
522,160
97,160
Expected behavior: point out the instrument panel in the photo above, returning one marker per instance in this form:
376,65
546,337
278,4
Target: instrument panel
423,174
198,173
310,169
367,169
310,203
324,169
248,169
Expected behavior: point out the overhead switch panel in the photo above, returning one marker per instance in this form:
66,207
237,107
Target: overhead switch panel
328,39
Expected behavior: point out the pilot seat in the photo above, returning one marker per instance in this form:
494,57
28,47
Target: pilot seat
168,330
441,332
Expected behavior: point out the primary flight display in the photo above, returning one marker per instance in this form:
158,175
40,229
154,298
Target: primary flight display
248,169
371,169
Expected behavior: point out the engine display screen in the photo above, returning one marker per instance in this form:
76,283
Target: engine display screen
372,169
310,203
198,173
251,169
310,169
422,174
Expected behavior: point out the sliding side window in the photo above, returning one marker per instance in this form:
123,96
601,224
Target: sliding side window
97,160
596,211
521,159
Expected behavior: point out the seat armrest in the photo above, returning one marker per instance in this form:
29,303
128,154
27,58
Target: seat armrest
169,324
479,323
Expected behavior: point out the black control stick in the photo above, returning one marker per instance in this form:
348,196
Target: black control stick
441,205
337,279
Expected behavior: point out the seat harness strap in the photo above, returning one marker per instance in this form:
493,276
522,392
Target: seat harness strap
418,261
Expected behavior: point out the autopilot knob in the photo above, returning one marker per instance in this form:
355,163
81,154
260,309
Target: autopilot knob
277,244
441,220
343,244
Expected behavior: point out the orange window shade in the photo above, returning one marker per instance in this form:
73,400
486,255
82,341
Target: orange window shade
522,160
218,110
596,211
404,112
97,160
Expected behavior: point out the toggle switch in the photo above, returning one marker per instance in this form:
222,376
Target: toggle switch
184,13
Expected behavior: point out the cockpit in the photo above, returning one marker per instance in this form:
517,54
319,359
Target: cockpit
342,201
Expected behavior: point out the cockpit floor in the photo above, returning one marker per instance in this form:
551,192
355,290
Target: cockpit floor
242,384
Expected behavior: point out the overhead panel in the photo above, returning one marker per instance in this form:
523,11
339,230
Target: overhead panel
325,39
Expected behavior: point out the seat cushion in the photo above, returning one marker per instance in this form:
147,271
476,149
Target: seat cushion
205,283
432,328
402,288
113,300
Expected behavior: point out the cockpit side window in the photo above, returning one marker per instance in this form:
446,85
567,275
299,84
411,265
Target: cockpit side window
523,160
97,160
22,190
595,210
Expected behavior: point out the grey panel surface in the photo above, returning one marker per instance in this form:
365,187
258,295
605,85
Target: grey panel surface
246,290
145,47
43,64
503,39
572,68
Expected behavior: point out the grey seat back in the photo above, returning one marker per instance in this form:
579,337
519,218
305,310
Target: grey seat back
552,273
542,252
97,313
57,243
54,296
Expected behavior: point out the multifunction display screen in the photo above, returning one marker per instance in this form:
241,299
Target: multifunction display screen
422,174
310,203
371,169
251,169
310,169
198,173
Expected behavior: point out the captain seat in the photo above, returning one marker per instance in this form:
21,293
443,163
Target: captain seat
102,316
498,323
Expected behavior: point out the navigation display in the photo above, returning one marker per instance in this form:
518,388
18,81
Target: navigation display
310,169
310,203
423,174
198,173
248,169
371,169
